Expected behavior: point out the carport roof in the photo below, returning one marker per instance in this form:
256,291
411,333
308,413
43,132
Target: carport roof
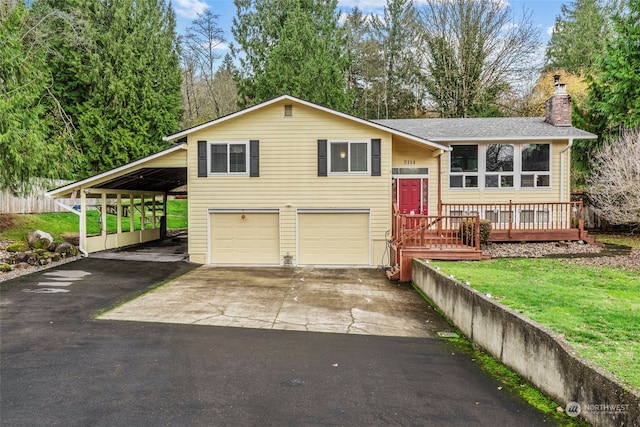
160,172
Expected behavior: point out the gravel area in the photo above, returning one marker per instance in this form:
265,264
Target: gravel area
538,250
22,269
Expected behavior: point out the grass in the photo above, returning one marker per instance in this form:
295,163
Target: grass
597,309
59,225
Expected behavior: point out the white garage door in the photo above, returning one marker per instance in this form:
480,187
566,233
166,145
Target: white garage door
333,238
245,238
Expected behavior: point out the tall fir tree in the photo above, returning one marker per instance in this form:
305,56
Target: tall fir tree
32,146
613,102
291,46
119,80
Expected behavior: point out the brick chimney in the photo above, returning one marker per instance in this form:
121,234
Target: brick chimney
558,107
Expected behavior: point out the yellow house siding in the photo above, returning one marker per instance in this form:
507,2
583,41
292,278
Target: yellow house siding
412,155
516,194
288,173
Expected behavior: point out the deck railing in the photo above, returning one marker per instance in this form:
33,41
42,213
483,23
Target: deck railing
543,216
435,232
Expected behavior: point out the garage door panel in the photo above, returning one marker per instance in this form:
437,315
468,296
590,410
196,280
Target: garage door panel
333,238
245,238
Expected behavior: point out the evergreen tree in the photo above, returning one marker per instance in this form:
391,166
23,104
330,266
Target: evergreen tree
119,80
614,93
579,36
291,46
30,146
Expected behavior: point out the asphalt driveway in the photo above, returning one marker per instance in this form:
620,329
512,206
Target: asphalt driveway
59,365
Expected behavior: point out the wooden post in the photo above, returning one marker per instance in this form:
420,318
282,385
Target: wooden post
511,214
119,212
477,232
103,214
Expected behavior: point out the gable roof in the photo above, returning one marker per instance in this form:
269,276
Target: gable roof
478,129
373,124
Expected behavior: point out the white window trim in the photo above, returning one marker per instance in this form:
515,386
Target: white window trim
535,173
477,174
227,143
348,142
517,170
512,173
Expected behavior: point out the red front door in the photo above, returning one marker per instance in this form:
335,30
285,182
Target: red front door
409,199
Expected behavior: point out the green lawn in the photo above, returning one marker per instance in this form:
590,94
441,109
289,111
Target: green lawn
62,224
597,309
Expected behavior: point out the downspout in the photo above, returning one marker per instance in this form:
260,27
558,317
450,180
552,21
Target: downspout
563,169
65,207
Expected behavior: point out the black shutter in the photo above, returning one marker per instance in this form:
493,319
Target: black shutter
254,157
202,158
322,157
376,157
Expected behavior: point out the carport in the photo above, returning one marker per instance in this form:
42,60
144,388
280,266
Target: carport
135,193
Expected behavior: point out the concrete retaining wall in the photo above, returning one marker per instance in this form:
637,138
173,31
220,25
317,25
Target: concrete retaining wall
534,352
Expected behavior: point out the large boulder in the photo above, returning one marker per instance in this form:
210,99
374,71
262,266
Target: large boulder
38,239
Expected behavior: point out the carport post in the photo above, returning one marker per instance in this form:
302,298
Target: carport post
83,218
119,212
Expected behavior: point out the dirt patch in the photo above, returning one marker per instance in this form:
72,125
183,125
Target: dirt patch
6,221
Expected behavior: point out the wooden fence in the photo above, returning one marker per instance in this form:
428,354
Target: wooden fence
35,202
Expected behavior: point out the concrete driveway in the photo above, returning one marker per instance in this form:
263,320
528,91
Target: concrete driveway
349,301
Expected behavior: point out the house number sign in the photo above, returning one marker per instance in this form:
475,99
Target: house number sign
409,162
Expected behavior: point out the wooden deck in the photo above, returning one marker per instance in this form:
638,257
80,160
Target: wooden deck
439,237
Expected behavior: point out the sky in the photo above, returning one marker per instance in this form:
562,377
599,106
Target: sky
544,12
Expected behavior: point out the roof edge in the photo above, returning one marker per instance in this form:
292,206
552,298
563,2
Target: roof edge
79,183
379,126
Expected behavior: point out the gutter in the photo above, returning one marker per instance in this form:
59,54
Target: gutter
65,207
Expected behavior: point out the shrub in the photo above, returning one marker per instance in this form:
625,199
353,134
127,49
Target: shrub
468,231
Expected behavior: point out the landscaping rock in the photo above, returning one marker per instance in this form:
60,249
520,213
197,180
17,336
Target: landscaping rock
18,246
38,239
66,250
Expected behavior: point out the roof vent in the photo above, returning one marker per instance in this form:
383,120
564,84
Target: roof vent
288,110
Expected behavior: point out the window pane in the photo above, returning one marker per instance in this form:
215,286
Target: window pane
542,217
526,216
535,157
499,158
219,158
359,157
237,158
464,158
491,181
491,216
526,181
455,182
339,157
506,181
542,180
470,182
